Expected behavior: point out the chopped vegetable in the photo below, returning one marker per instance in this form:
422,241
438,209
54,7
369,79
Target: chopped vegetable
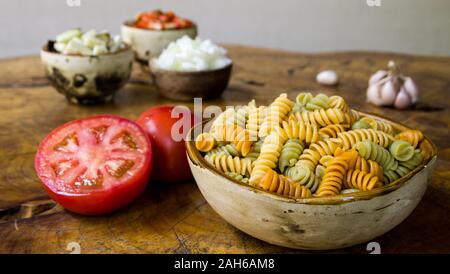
158,20
75,42
186,54
68,35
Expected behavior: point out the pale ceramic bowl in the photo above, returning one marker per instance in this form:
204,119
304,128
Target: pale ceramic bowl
148,43
187,85
87,79
312,223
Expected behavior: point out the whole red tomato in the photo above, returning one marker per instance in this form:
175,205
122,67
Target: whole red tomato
169,155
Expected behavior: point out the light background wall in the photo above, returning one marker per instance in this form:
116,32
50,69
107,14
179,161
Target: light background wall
408,26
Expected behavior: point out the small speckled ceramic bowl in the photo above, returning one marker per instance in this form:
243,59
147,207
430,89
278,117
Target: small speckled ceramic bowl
313,223
186,85
148,43
87,79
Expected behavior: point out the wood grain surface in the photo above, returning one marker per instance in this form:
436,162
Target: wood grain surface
176,218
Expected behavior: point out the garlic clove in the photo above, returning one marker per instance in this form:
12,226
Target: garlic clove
412,89
377,76
403,99
327,77
388,93
397,83
374,94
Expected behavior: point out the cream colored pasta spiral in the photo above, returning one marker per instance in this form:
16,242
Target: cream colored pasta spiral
236,135
222,119
238,117
338,102
276,113
268,157
255,118
311,156
324,117
350,138
378,125
331,131
298,130
227,163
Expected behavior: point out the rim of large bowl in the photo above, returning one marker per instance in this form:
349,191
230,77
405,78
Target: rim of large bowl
129,24
155,68
127,49
197,159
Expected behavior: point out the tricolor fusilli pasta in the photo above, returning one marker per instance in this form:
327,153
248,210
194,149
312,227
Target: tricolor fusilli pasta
316,146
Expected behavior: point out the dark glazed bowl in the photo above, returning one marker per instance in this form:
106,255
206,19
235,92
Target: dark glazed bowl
87,79
185,85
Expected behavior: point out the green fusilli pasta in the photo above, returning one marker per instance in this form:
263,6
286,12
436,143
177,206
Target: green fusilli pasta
255,150
320,171
371,151
238,177
404,167
227,149
415,160
290,153
304,176
401,150
360,124
320,101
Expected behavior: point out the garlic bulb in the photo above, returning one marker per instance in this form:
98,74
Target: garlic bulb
391,88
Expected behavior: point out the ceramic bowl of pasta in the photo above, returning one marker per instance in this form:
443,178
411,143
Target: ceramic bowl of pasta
150,32
87,67
310,173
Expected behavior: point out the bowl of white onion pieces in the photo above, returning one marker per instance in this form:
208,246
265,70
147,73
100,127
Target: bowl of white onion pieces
190,68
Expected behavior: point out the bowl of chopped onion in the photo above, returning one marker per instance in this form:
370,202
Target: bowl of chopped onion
190,68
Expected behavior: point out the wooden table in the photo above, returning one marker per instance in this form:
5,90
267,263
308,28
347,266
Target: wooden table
176,218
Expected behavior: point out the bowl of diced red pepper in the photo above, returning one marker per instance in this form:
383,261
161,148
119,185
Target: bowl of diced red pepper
159,20
151,32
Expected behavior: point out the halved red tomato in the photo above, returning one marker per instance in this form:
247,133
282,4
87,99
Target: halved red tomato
95,165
